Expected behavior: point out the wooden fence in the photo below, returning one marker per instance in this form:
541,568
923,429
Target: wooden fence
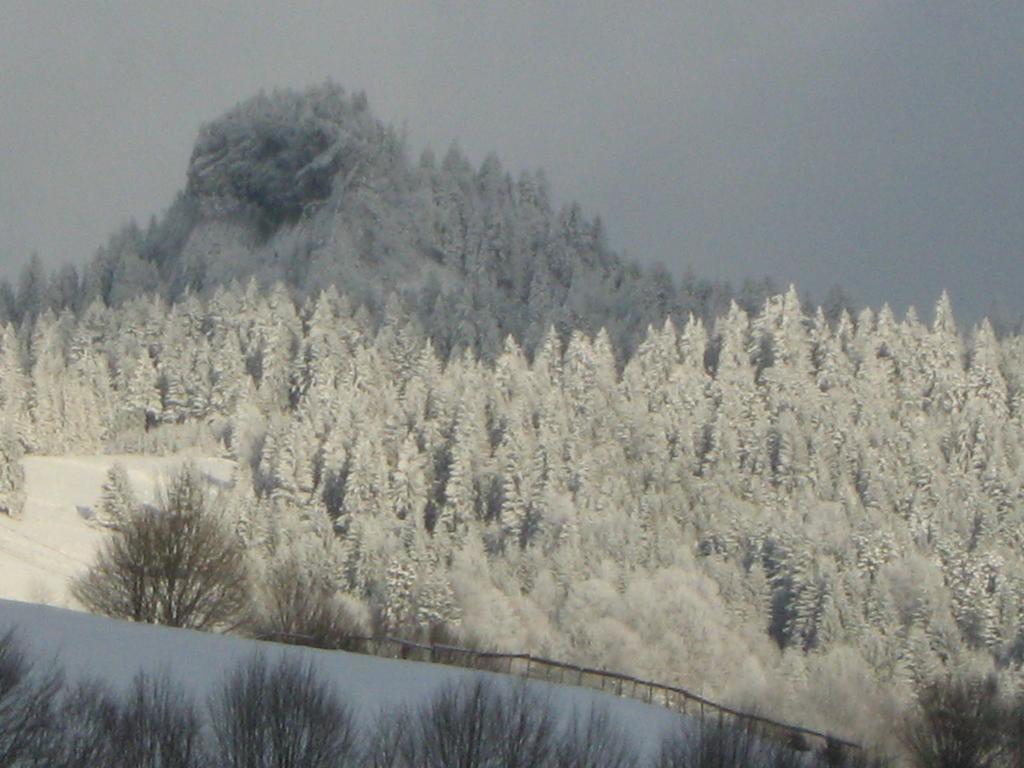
536,668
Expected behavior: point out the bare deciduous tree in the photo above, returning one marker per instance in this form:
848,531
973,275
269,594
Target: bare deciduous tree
26,705
281,716
297,607
158,727
479,724
594,741
386,744
960,723
723,743
177,565
152,725
711,743
88,716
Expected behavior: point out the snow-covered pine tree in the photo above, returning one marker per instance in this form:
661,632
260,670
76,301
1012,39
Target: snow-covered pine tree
47,390
12,474
14,387
117,499
140,405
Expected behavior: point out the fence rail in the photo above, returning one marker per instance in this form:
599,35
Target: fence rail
538,668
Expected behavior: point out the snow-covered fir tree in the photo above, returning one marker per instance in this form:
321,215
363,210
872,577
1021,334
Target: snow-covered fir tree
117,498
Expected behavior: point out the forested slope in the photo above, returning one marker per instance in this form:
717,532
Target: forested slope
453,404
777,510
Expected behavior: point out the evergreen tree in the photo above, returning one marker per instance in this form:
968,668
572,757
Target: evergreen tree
14,388
117,499
12,475
140,405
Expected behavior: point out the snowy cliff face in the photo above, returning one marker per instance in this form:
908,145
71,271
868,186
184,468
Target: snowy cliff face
276,156
309,189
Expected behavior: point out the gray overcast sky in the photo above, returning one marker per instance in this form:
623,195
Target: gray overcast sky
875,145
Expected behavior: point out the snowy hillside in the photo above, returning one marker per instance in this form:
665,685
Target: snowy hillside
804,512
92,647
54,540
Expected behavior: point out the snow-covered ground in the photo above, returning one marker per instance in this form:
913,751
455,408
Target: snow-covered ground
114,651
53,540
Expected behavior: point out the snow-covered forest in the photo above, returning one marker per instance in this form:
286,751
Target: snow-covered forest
776,510
458,409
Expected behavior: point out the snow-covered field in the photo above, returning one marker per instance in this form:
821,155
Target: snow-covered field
114,651
53,540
